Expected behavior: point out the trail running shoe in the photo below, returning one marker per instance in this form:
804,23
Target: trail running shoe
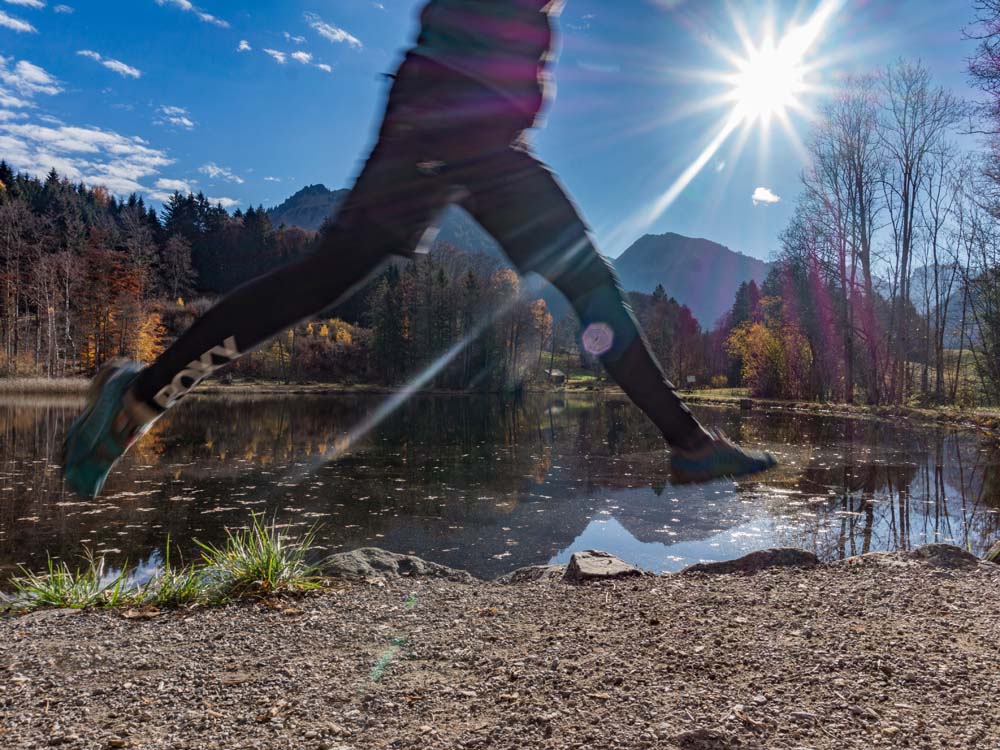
107,428
720,457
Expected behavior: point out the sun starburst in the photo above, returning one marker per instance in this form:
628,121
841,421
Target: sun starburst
766,80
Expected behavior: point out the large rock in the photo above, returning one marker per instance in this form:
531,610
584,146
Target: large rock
594,565
780,557
533,573
373,562
944,556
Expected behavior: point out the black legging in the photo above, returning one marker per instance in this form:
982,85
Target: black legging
444,139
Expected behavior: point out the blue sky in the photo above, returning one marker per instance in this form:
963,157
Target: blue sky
156,95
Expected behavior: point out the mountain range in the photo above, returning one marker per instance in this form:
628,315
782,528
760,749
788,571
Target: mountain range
699,273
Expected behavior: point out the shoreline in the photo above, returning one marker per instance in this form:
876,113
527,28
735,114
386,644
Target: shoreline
982,419
882,650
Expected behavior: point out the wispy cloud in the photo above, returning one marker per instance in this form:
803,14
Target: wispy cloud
272,179
27,3
189,7
62,9
764,195
122,69
280,57
173,186
330,32
295,39
214,171
244,46
12,22
22,82
176,116
301,56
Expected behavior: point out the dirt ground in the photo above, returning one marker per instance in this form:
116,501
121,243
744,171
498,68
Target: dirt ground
877,652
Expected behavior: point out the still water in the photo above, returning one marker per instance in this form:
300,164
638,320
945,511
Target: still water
489,485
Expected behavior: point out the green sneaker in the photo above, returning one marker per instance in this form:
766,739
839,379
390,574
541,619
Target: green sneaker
719,458
108,427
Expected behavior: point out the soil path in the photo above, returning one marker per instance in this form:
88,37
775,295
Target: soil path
881,651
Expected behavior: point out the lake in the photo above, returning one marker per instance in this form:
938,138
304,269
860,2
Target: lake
490,485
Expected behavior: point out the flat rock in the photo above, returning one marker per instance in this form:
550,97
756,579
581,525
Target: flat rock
533,573
944,556
594,565
779,557
373,562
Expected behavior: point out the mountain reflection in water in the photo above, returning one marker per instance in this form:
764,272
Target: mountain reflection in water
488,485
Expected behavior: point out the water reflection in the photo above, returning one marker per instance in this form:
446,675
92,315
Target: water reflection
489,486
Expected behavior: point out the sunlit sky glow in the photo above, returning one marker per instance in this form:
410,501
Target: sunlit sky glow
671,115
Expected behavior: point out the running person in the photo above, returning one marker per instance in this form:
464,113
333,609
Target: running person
453,132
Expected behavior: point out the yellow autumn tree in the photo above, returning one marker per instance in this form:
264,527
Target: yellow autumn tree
149,340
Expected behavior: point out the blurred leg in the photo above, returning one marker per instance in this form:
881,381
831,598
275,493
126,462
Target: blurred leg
519,201
396,197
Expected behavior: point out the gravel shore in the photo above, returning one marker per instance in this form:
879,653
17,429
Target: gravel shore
885,650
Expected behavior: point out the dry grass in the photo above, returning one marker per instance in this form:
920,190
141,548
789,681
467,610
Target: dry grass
33,386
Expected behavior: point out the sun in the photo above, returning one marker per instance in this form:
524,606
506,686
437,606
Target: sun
771,77
768,82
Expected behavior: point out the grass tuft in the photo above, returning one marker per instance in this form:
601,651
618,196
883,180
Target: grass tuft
257,561
261,560
175,587
63,587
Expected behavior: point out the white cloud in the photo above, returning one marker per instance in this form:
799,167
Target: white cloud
27,79
12,22
764,195
214,171
84,154
244,46
325,67
331,32
176,116
224,202
189,7
27,3
303,57
122,69
62,9
272,179
172,186
280,57
296,39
